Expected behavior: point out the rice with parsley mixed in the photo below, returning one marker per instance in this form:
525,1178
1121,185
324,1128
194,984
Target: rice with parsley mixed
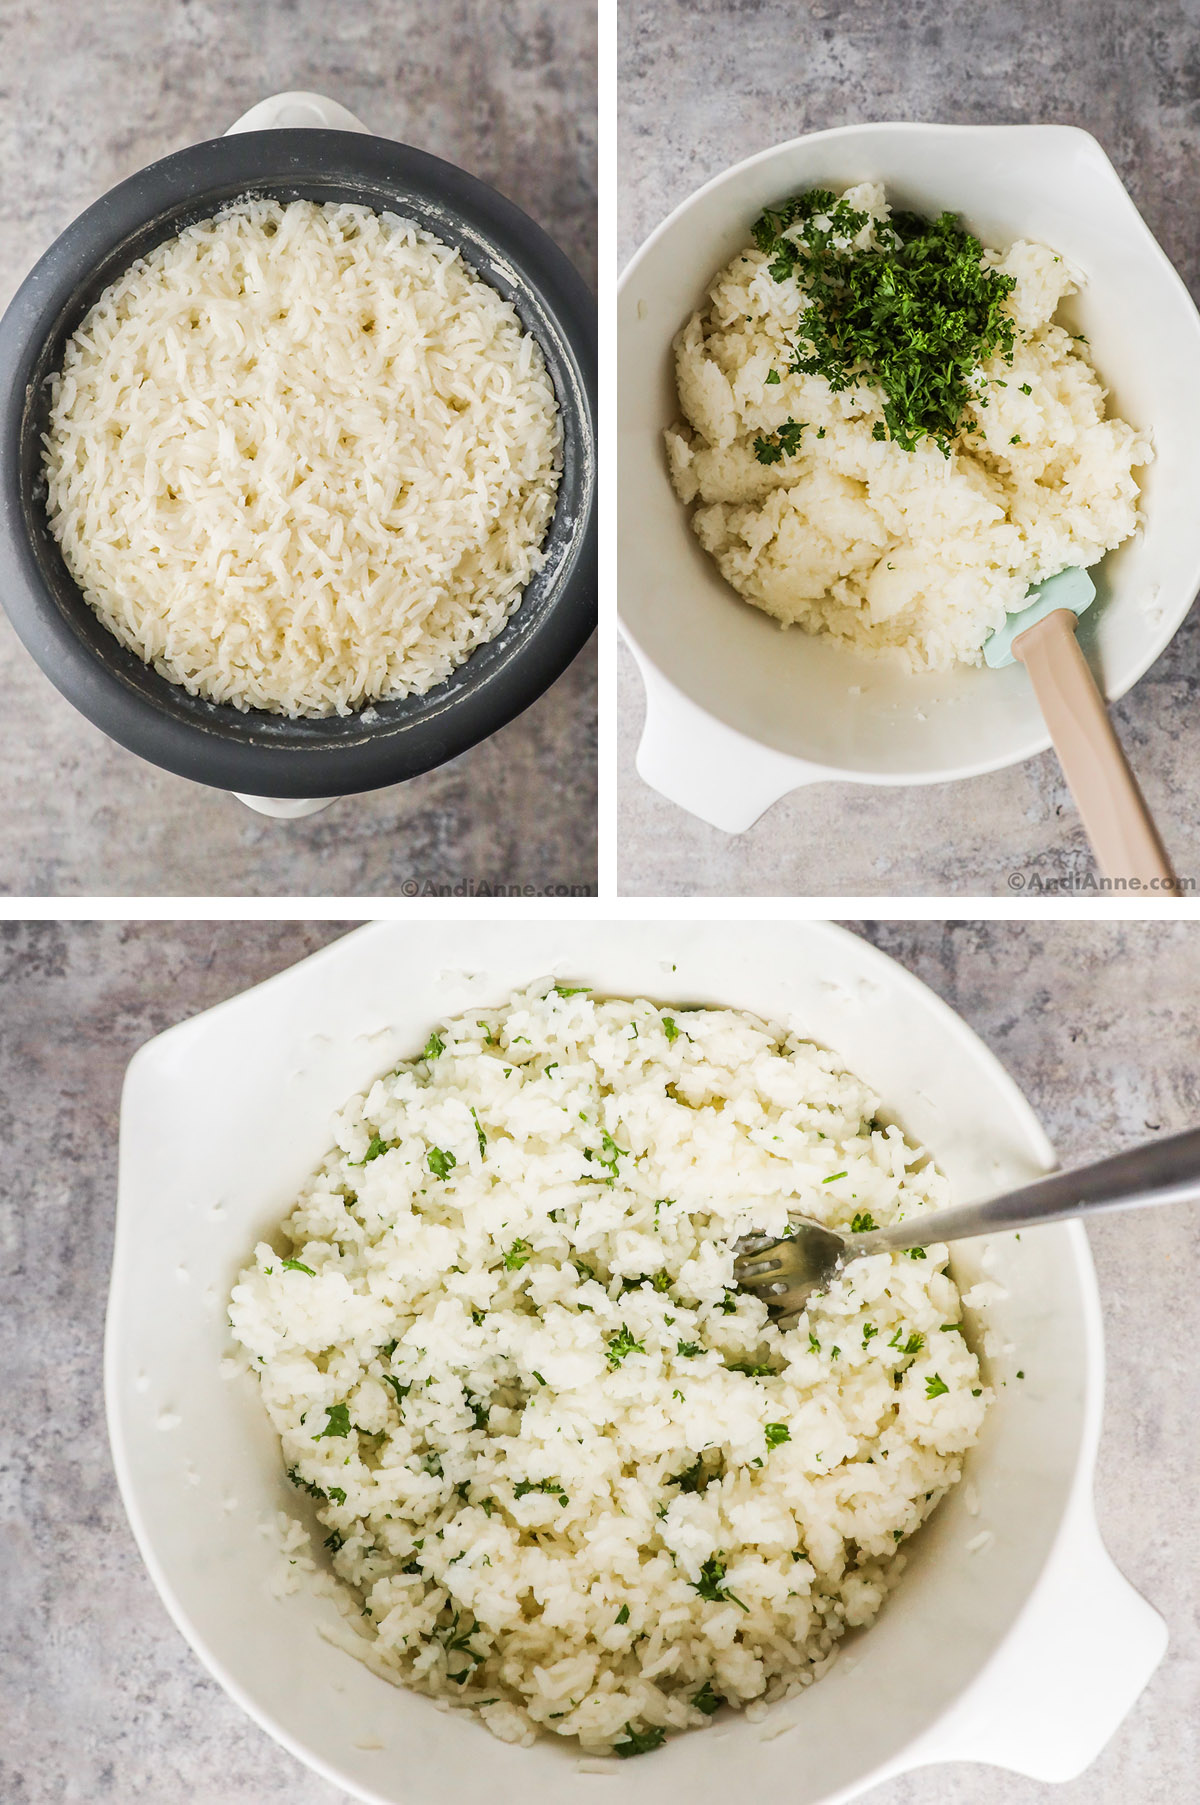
886,437
571,1479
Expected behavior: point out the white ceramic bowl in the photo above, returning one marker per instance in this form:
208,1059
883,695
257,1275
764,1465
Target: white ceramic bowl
1024,1652
738,713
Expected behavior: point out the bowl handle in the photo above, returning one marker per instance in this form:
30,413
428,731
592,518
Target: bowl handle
710,769
297,108
1072,1669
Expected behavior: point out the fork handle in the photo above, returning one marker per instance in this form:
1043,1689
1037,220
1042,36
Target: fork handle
1160,1172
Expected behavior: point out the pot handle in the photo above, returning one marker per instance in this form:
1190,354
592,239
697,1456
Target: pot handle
1075,1665
284,808
712,770
297,108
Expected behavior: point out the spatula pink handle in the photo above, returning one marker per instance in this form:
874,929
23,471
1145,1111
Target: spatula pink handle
1114,814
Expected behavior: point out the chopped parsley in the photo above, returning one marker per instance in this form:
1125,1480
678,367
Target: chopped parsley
914,317
552,1487
917,1253
776,1434
693,1478
706,1699
479,1134
441,1162
337,1495
670,1028
774,447
711,1584
609,1154
297,1266
518,1255
689,1349
458,1642
335,1541
862,1223
569,990
813,1344
401,1391
751,1370
639,1742
435,1046
377,1147
306,1485
337,1422
623,1614
621,1344
772,377
832,1176
935,1387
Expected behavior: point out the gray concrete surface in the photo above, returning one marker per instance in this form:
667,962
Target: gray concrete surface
704,83
100,1698
91,92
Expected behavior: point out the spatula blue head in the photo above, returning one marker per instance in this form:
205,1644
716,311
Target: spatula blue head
1071,589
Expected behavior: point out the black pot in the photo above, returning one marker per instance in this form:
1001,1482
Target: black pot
214,743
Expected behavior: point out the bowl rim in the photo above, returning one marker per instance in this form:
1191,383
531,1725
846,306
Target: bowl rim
381,937
214,743
660,684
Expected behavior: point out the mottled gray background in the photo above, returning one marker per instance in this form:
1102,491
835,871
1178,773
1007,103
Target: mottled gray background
92,90
101,1700
705,83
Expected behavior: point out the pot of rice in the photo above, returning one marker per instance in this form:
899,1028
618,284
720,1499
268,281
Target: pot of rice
793,455
297,462
460,1463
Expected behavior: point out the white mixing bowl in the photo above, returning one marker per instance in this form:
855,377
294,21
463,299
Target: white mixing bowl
738,712
1025,1651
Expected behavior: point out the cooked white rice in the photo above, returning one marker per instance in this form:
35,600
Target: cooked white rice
302,458
904,553
506,1362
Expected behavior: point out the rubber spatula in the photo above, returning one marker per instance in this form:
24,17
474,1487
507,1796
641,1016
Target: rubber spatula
1041,636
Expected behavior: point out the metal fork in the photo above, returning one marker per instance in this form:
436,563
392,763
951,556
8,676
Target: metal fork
785,1272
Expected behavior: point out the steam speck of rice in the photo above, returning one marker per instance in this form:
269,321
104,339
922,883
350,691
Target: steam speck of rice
572,1480
301,458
